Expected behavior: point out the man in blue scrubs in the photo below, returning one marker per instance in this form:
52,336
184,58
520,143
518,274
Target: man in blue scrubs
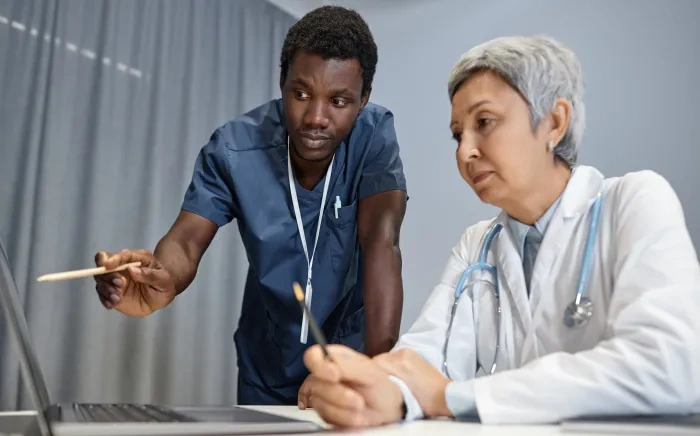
316,185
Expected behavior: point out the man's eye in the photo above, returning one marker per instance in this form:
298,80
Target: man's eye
339,102
300,94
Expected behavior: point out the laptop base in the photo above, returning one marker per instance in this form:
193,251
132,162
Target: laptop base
67,419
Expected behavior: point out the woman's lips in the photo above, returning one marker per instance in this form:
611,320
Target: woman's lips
480,176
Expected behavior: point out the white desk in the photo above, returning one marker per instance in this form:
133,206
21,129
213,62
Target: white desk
424,427
16,422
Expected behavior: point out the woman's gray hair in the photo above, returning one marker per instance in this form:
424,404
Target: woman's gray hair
541,69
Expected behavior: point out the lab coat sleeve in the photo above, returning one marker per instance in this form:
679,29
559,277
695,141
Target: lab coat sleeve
428,332
413,409
383,168
460,399
651,364
209,193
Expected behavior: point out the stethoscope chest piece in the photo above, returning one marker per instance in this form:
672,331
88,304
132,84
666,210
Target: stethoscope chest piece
577,314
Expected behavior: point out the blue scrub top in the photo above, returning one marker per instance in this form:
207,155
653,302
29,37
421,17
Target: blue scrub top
242,174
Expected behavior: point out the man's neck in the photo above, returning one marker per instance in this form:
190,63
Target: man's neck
530,207
308,173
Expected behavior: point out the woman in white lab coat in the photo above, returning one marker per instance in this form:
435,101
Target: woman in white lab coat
622,339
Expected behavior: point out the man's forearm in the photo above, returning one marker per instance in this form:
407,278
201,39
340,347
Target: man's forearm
383,296
173,255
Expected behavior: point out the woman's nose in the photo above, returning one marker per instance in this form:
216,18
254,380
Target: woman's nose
467,150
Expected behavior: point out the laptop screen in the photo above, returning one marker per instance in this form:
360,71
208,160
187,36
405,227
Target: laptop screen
13,314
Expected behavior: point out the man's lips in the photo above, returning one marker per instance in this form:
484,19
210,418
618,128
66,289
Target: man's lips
314,136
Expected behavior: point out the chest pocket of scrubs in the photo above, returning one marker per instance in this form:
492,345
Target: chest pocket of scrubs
343,235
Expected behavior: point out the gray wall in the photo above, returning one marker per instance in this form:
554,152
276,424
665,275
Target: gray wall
640,58
104,106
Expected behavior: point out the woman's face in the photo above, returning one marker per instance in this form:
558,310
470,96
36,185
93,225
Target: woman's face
498,154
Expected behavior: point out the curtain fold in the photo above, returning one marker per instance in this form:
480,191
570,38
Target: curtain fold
103,108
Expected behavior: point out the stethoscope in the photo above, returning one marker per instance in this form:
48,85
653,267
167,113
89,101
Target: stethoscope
577,314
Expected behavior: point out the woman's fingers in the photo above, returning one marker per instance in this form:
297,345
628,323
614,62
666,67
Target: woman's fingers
343,364
340,416
338,394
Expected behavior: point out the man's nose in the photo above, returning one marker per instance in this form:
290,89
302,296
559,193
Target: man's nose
316,115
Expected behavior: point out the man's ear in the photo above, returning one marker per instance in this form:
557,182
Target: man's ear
365,99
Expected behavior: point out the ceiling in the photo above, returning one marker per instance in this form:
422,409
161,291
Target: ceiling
298,8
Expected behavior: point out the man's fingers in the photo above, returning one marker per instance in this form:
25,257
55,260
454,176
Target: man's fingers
100,257
128,256
109,293
114,279
104,301
154,277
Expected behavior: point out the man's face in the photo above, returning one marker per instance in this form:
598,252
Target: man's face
321,100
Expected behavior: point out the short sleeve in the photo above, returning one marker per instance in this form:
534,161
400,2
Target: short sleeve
210,193
383,169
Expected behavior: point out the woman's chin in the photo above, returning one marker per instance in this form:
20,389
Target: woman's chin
488,195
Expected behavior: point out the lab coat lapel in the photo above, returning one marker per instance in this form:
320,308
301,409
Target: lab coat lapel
579,194
515,307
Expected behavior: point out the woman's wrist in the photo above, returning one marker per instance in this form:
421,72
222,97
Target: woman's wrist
438,407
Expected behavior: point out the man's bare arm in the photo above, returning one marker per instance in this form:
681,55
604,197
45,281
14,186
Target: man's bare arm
379,221
182,248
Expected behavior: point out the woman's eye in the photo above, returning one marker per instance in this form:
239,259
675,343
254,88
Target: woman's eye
483,122
457,137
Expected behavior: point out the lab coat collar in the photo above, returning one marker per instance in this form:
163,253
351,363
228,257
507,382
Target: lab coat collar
578,195
581,191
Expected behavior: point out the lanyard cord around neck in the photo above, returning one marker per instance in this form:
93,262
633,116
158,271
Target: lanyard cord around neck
302,234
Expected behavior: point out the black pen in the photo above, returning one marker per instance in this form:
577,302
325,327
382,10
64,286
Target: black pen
318,334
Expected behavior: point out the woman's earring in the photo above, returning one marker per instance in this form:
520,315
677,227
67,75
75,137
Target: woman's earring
550,145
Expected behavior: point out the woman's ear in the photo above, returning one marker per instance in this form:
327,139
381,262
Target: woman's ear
560,119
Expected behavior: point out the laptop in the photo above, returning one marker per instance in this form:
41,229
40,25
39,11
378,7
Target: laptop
78,419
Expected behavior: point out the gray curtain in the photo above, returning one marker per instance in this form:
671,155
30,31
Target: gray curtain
103,108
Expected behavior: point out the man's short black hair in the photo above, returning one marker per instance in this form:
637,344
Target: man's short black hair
332,32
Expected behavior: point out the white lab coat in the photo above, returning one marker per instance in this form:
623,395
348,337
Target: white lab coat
640,353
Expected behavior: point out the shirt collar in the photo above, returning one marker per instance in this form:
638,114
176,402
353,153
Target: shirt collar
519,230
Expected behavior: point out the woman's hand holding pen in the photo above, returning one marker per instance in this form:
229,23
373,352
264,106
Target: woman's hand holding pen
348,389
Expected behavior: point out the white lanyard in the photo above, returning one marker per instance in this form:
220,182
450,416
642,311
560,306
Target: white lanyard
300,225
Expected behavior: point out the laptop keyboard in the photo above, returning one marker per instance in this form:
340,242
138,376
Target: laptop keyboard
128,413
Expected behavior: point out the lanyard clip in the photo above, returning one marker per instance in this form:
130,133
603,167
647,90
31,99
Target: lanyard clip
305,319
